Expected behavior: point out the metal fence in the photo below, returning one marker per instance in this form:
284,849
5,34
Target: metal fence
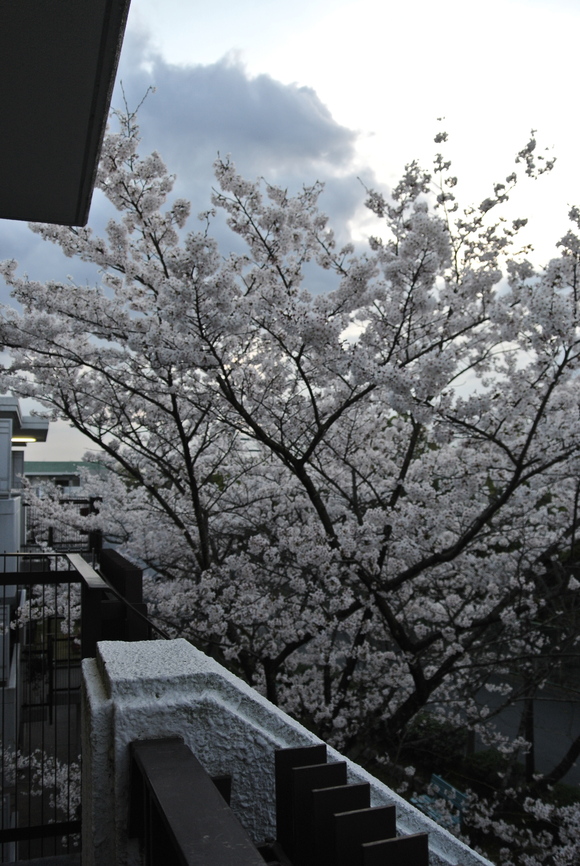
61,536
53,609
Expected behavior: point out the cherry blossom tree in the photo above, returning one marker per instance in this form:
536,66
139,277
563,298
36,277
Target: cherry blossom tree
364,500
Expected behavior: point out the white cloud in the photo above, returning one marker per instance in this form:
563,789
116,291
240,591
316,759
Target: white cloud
298,78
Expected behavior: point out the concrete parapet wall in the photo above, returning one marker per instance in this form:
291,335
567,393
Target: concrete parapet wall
150,689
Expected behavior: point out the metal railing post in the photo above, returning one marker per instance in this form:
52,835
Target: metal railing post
92,590
127,579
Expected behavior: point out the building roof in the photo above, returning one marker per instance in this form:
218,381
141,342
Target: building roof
24,427
57,66
59,467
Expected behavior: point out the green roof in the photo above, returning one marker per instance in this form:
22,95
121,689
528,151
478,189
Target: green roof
59,467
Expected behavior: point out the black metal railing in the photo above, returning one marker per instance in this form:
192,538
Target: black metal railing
41,532
180,818
178,813
53,610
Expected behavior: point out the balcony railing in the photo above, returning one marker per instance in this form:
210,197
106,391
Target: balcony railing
296,802
62,536
180,816
53,610
162,718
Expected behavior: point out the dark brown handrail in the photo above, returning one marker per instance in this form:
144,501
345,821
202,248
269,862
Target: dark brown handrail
178,813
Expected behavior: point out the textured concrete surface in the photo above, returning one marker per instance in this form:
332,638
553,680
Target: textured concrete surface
151,689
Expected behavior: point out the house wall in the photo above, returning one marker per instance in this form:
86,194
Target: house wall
10,518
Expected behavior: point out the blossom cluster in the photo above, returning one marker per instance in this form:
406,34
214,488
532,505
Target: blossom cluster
365,527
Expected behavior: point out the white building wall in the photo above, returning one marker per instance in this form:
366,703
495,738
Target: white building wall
10,517
5,456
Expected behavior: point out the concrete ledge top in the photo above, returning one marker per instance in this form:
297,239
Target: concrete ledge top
129,668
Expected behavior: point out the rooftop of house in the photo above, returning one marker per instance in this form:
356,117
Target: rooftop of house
25,428
50,468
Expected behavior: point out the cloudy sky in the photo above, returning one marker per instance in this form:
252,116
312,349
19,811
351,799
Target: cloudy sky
336,90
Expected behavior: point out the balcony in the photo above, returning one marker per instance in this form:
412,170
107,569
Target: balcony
155,721
166,690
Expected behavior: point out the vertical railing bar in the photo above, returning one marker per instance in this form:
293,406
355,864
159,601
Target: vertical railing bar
26,632
69,716
15,744
70,647
14,758
18,701
53,698
23,630
54,685
33,635
77,717
3,755
46,650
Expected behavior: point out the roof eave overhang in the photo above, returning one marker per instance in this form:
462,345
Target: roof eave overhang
58,62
